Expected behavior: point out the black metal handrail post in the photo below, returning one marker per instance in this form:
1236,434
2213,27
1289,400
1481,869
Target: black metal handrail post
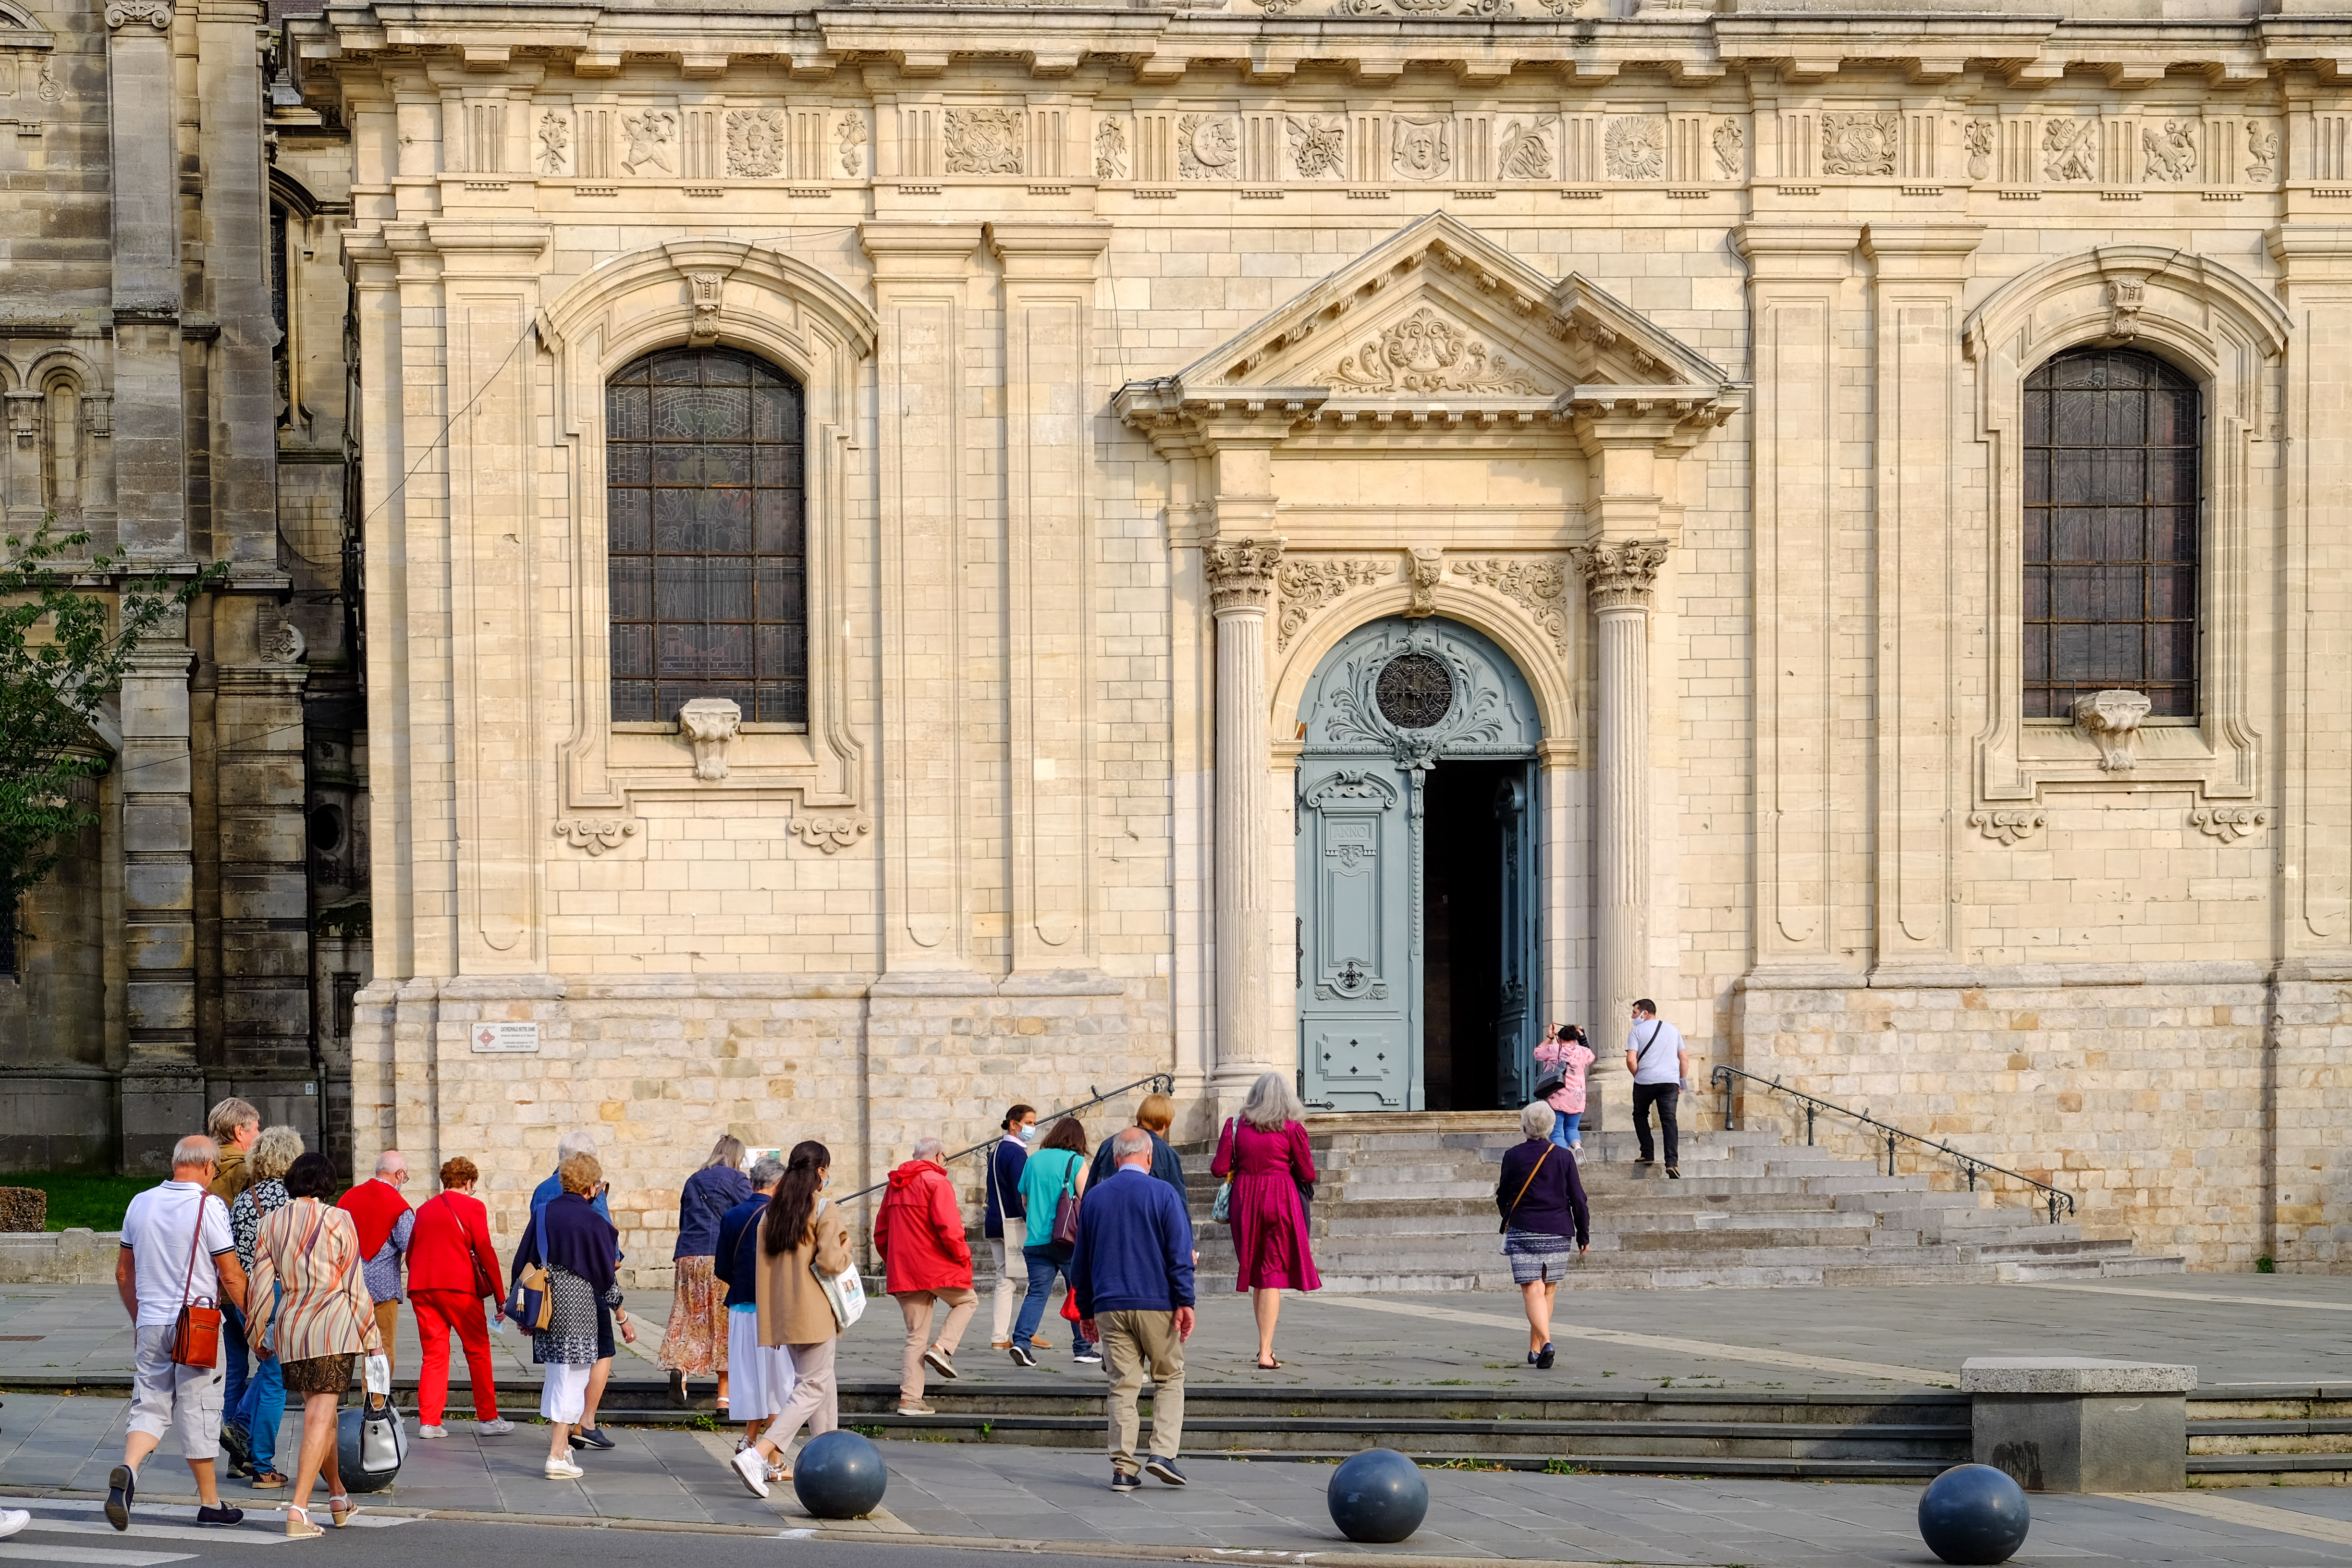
2051,1198
1158,1082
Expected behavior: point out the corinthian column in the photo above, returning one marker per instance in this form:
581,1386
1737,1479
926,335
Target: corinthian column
1618,575
1241,586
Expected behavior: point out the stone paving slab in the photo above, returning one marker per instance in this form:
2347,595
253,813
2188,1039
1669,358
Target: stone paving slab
2240,1330
1039,1497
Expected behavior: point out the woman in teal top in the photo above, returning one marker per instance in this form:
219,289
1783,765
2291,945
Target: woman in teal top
1058,1166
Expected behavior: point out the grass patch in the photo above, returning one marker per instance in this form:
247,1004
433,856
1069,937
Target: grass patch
81,1198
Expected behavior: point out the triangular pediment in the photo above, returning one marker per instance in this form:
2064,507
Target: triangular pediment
1437,311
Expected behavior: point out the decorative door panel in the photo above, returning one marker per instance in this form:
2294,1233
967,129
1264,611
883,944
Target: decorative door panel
1516,1026
1356,985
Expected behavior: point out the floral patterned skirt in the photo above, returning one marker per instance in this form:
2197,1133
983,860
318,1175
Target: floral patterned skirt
696,1340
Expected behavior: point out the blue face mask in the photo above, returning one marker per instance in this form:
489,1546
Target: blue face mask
1029,1133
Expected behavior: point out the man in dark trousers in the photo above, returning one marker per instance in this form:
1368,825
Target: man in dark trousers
1132,1274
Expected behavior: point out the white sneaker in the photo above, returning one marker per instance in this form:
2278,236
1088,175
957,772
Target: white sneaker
13,1519
494,1428
563,1470
751,1470
433,1431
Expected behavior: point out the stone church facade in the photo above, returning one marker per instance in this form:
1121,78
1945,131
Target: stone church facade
922,556
172,363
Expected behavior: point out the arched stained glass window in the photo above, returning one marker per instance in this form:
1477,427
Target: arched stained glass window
2112,439
707,537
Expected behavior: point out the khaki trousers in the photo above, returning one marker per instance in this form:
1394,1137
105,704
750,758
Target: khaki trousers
919,1306
387,1314
1132,1343
814,1399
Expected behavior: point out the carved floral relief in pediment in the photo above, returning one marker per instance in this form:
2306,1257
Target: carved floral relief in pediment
1427,352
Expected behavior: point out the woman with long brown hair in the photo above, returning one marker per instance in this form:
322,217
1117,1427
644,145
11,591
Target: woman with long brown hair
801,1237
1057,1170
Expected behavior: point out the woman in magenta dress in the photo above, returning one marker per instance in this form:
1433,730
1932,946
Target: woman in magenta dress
1263,1151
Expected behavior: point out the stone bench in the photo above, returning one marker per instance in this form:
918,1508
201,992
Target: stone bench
2071,1424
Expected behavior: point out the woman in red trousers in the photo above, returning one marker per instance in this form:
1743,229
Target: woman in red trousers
451,1266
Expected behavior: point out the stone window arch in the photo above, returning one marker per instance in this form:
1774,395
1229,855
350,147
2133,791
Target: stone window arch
706,554
2112,448
62,445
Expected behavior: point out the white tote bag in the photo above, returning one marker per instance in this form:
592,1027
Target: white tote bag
845,1292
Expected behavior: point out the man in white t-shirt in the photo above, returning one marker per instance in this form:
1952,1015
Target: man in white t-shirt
1655,1056
176,1250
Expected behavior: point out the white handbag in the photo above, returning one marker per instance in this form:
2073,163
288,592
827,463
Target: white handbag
845,1292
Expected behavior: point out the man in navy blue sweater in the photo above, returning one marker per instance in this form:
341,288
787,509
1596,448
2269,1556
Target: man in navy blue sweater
1132,1274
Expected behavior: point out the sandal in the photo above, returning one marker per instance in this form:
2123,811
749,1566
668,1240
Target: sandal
299,1526
269,1480
343,1509
1269,1366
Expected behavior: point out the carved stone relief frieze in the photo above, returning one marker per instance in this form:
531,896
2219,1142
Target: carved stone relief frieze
154,14
2229,823
2262,153
1421,148
652,139
1208,147
285,644
831,833
1635,147
2007,827
1860,143
2169,156
554,143
1526,150
706,291
852,138
1241,573
1110,150
596,834
1730,150
986,141
2127,296
1310,583
755,144
1620,574
2070,151
2109,720
1976,136
1319,145
1427,352
1538,586
1424,566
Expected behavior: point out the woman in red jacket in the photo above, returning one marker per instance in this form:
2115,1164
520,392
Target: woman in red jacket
451,1266
926,1260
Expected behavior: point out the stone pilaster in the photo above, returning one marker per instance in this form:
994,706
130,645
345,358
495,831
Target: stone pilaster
243,400
1049,288
1618,577
163,1085
1241,575
149,434
1917,274
920,272
264,931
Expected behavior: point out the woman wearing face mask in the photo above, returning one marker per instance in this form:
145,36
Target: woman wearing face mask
800,1229
1005,1224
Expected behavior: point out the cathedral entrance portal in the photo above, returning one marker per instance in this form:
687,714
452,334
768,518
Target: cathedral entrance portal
1417,834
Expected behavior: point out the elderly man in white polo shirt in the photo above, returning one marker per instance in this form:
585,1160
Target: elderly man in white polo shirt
176,1250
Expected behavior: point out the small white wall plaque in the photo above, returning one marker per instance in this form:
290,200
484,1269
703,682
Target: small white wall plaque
505,1036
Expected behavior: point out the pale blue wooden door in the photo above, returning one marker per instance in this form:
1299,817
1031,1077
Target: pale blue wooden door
1356,985
1390,701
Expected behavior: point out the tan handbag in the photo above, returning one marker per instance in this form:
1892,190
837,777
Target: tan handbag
196,1333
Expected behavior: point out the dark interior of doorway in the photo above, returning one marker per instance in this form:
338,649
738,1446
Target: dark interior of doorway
1461,931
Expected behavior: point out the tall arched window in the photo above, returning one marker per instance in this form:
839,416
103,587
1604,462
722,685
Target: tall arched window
706,536
62,446
2111,531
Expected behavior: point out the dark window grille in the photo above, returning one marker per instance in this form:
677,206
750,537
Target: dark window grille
705,536
2112,523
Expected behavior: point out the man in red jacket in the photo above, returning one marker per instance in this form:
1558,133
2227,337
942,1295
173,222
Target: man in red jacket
925,1260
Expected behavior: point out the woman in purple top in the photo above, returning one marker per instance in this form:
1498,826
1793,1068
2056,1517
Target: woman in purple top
1263,1151
1545,1221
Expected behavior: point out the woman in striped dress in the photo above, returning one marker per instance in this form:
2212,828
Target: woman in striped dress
317,1324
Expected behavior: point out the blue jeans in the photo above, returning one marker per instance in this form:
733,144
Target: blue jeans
1042,1270
264,1409
234,1353
1564,1127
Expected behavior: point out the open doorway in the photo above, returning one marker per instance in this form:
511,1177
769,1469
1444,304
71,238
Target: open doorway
1466,919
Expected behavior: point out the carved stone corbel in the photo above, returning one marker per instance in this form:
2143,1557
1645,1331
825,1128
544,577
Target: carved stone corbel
711,724
2229,823
2109,720
702,331
2007,827
2126,298
1423,567
596,834
154,14
831,834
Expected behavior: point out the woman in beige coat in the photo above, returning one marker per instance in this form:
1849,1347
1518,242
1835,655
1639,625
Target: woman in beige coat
800,1236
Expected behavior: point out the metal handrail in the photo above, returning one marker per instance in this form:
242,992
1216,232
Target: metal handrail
2051,1197
1160,1083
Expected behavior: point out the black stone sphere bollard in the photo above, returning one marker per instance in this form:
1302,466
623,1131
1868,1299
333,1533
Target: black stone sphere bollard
1974,1514
1378,1495
840,1476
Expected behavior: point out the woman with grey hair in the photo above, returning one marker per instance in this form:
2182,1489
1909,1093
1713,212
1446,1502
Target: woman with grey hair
1545,1216
249,1432
763,1375
696,1341
1262,1155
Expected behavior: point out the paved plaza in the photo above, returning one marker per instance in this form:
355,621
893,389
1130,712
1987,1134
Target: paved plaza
2248,1331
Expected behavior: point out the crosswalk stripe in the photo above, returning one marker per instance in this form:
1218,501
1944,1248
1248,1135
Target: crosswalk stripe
10,1553
248,1532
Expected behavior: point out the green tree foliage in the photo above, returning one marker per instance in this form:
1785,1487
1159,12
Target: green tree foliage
63,651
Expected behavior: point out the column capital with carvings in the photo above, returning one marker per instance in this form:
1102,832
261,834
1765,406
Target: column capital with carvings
155,13
1240,574
1619,574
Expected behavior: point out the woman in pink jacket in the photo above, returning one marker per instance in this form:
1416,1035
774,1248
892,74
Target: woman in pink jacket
1565,1052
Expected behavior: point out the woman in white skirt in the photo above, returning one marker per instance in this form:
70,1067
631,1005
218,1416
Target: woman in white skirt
762,1374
